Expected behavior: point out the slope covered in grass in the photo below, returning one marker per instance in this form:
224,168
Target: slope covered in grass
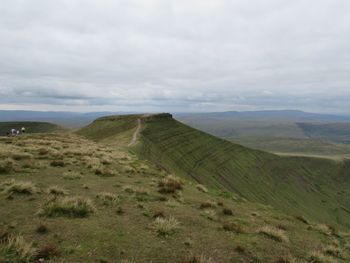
111,129
318,188
31,127
69,199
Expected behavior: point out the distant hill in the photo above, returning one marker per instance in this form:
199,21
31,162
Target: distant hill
289,132
318,188
66,119
268,115
31,127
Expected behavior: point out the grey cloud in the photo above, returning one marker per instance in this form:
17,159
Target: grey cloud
175,55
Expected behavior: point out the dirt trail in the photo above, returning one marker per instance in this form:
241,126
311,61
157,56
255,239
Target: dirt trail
134,136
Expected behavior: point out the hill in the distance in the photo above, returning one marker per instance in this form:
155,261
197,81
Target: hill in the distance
65,119
282,132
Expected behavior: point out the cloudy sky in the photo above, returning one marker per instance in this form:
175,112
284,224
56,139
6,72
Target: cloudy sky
175,55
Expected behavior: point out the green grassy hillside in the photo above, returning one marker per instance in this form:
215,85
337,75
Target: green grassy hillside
317,188
31,127
64,198
116,130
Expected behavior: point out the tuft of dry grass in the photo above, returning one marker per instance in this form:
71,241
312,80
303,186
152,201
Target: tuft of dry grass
325,229
17,249
227,212
42,229
6,166
207,204
232,227
302,219
57,163
202,188
72,176
288,258
43,151
67,206
21,156
57,190
197,259
47,251
19,187
318,257
333,251
210,214
165,226
108,198
170,184
104,171
274,233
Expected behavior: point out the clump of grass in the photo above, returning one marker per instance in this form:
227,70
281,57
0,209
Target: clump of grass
325,229
129,189
21,156
47,251
210,214
286,259
318,257
57,190
6,166
67,206
57,163
207,205
274,233
220,203
333,251
43,151
19,187
197,259
202,188
165,226
170,184
232,227
104,171
16,249
240,249
72,176
107,198
42,229
227,212
302,219
159,213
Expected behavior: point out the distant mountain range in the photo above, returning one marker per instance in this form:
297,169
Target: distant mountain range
76,119
66,119
268,115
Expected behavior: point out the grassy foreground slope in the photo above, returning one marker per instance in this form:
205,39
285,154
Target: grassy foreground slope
317,188
67,199
31,127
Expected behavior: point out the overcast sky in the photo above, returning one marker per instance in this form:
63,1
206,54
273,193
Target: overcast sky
175,55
